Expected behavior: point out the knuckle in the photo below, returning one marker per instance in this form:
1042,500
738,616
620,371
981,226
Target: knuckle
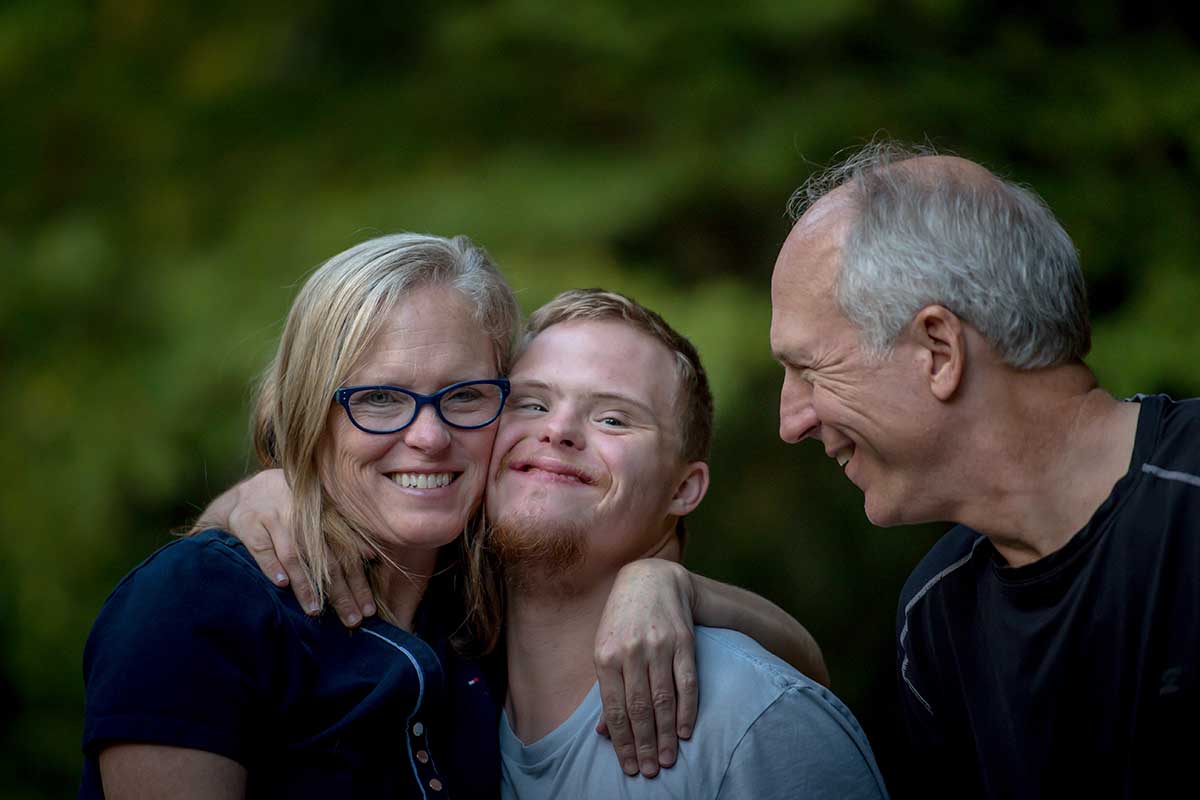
609,656
639,710
687,682
663,700
615,717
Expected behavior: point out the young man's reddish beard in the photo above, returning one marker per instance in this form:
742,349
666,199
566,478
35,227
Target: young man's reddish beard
535,553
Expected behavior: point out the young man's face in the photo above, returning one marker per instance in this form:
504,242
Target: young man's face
589,446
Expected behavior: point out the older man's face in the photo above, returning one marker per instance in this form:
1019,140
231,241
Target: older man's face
865,412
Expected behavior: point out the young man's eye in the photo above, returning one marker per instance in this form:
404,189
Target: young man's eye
612,422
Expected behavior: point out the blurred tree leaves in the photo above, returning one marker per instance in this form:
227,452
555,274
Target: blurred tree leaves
173,170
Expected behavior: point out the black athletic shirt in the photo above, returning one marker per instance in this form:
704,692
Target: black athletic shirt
1074,676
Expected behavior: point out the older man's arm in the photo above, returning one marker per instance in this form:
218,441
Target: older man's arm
646,657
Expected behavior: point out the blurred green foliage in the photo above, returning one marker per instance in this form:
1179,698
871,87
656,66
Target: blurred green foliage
172,170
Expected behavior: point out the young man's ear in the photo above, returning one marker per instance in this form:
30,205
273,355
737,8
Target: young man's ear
690,490
942,344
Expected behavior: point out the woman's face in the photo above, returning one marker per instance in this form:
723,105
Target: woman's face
414,489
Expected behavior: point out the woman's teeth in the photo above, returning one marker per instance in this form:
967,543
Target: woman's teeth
422,480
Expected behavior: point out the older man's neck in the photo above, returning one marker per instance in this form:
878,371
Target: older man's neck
550,636
1048,461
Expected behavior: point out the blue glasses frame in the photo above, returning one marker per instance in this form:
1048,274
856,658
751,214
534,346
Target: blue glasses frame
342,398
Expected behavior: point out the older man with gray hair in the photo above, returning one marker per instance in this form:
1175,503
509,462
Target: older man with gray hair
932,322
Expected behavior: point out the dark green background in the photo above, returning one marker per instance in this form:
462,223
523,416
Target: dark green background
172,170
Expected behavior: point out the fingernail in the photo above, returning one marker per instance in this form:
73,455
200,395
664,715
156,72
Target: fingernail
354,619
311,609
369,610
281,579
684,732
666,758
630,767
649,768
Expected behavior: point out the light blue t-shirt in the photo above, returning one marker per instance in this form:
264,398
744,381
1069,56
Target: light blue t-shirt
763,731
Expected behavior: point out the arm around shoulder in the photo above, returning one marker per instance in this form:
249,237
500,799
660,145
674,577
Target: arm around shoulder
719,605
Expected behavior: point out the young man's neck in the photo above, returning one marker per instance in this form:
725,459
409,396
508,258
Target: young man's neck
550,636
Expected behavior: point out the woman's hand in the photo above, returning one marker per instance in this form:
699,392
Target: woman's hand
646,663
258,512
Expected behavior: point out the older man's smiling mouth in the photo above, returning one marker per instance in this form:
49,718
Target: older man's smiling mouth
843,456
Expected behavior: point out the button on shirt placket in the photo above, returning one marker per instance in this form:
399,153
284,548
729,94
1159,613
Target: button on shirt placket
424,768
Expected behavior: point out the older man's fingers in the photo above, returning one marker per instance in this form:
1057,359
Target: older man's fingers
612,698
639,707
687,690
662,699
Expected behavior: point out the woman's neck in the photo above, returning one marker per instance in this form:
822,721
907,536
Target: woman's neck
401,584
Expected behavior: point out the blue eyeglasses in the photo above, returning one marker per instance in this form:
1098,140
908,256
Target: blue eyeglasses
387,409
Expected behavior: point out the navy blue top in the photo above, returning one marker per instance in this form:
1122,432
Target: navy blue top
1077,675
196,648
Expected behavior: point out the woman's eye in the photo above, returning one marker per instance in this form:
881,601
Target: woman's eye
378,398
464,396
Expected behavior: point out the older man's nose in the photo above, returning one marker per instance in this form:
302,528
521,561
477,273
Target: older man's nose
797,417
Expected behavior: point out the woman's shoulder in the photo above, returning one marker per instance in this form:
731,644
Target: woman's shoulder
206,562
187,651
195,582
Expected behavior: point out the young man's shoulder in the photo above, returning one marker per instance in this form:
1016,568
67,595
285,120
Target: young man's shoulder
766,730
740,681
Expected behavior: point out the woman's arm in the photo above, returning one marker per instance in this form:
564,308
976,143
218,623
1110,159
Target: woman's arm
147,772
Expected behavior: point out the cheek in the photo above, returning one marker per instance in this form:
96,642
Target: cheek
477,446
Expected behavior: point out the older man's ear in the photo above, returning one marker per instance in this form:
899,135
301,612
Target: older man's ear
942,341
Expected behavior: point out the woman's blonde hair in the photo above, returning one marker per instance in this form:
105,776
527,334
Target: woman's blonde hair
332,325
